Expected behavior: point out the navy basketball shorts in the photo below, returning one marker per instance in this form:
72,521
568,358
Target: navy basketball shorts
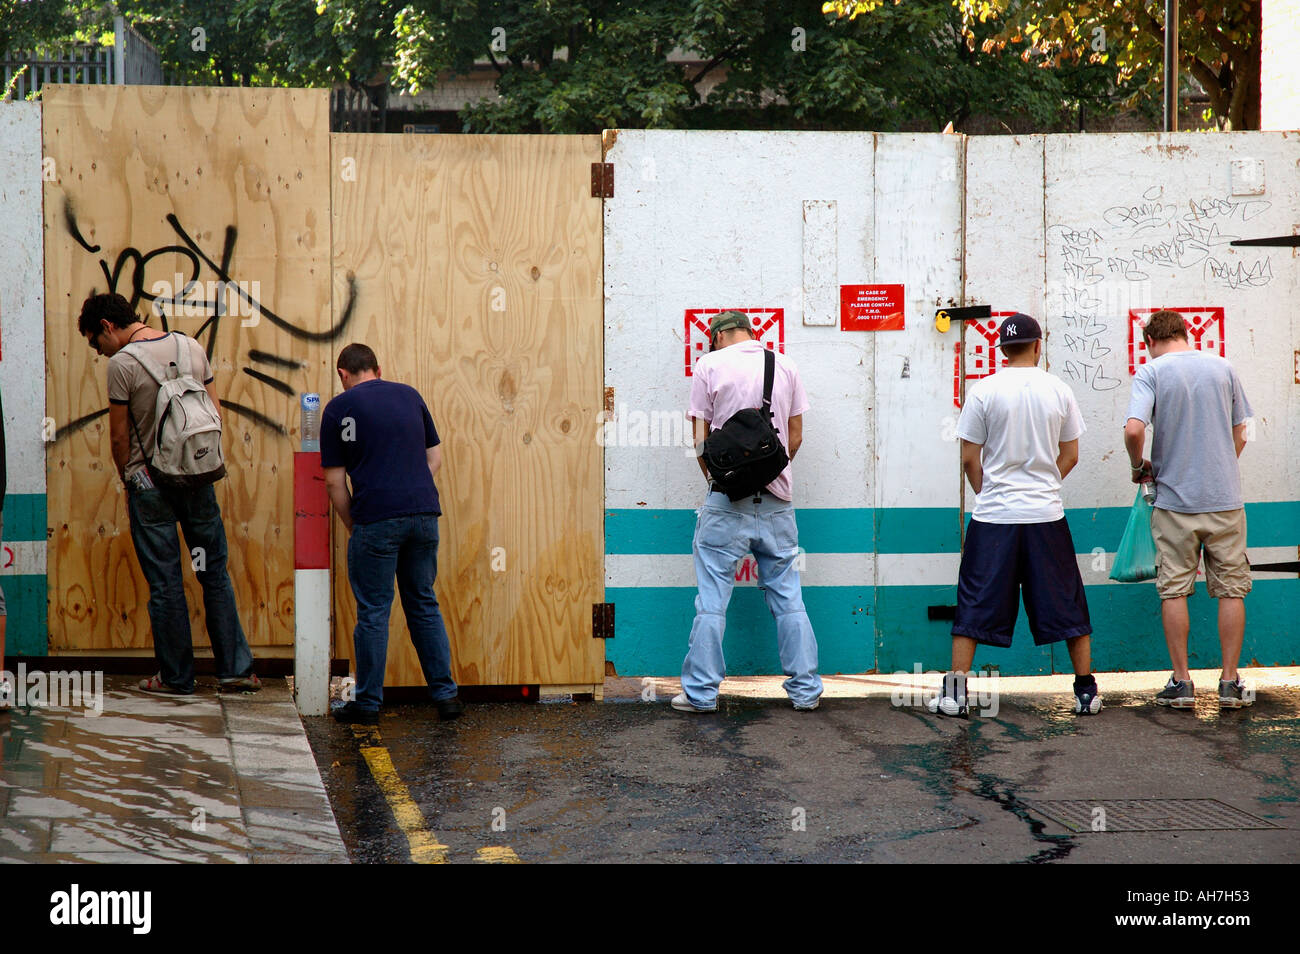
1002,559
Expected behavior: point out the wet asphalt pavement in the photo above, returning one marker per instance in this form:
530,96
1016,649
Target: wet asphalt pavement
859,780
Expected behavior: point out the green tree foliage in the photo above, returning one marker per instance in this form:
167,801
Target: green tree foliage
579,67
1219,44
585,65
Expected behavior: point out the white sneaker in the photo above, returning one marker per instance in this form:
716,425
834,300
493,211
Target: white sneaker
810,707
682,704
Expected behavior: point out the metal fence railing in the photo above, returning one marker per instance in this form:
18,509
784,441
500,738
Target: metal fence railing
131,59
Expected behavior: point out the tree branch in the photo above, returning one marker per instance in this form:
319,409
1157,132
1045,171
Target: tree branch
716,61
492,56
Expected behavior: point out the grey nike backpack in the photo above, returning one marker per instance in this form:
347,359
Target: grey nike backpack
187,429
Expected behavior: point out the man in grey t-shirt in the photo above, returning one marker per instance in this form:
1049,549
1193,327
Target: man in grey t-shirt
1197,407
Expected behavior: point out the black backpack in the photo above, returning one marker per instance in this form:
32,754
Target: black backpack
745,454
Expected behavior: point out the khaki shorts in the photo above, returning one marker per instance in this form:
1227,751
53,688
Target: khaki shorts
1180,539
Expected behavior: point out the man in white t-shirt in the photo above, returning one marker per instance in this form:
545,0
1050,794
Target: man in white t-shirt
1020,431
725,381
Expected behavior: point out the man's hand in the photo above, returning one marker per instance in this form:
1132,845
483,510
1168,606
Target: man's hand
1239,437
1067,457
701,431
1135,440
119,438
972,463
795,435
336,485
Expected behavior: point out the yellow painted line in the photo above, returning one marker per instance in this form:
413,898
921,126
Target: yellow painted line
425,847
497,855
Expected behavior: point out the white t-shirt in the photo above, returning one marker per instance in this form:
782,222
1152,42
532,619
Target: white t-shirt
1021,416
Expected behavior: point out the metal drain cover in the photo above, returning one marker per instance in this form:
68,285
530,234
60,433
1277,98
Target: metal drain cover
1147,814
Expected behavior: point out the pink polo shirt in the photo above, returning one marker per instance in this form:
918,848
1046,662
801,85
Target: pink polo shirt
731,379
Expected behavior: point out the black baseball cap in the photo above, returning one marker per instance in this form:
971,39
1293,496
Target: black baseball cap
1017,328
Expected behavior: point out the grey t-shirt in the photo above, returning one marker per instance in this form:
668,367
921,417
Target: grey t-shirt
1193,401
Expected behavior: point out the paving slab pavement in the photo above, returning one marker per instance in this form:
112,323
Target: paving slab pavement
158,779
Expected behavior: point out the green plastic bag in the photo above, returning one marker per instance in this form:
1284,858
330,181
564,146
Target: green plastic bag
1135,560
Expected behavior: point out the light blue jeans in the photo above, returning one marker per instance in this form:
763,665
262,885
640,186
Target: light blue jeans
724,533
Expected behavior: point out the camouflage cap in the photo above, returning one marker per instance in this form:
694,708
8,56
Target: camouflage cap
726,321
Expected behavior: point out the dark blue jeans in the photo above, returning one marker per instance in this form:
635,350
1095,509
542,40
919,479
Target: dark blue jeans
154,515
408,548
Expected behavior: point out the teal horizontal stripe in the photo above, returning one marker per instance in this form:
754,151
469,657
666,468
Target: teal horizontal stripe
24,517
888,630
670,531
918,530
911,529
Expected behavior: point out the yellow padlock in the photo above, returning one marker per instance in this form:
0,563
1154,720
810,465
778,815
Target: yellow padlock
942,321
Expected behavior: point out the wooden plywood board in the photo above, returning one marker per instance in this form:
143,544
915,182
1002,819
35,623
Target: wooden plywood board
242,175
476,262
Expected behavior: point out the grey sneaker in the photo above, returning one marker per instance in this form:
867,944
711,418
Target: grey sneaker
1179,694
1235,694
951,700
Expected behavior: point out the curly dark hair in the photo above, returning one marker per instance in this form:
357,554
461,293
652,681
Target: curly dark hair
111,306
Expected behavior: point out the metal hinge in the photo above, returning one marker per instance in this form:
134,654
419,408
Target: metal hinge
602,620
602,180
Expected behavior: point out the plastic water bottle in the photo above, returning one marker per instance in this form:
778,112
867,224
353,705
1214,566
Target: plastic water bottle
311,422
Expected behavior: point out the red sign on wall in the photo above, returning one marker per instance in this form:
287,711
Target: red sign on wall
768,324
1205,332
871,307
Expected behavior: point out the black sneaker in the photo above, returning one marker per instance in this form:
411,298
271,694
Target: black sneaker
353,714
1178,694
449,709
951,700
1087,699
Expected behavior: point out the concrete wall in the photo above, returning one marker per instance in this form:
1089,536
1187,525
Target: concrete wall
22,358
1076,230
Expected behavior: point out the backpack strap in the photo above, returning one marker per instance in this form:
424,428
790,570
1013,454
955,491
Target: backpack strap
147,361
769,374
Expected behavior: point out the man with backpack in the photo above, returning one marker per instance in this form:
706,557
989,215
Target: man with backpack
165,432
739,392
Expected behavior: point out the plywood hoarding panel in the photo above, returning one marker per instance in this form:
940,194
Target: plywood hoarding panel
476,264
149,183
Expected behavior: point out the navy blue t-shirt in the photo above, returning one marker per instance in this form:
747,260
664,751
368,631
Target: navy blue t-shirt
379,430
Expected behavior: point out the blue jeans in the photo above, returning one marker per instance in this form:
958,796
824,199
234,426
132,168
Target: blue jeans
408,547
154,515
724,533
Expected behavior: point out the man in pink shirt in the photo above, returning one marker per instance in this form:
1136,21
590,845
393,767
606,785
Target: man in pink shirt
727,380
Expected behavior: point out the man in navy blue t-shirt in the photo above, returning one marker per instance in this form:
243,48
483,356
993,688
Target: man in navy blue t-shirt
379,434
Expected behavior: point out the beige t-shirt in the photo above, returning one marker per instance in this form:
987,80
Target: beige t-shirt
131,385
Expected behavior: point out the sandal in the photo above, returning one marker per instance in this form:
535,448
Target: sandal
249,683
155,685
